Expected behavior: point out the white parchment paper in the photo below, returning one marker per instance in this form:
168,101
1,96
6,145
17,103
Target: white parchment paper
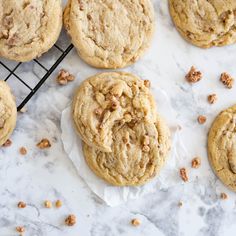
112,195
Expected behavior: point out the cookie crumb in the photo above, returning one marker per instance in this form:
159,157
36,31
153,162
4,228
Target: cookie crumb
135,222
64,77
58,203
44,143
223,196
147,83
20,229
183,174
70,220
8,143
48,204
201,119
23,151
23,109
212,98
227,80
193,75
21,204
196,162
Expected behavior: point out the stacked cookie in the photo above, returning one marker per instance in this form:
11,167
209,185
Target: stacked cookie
125,142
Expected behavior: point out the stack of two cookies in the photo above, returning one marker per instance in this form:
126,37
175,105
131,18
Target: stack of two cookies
125,142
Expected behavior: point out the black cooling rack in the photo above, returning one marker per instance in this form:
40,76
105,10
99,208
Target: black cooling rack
12,72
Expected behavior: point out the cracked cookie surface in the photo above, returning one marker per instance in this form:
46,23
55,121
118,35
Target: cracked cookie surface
205,23
110,34
28,28
139,151
109,99
8,112
222,147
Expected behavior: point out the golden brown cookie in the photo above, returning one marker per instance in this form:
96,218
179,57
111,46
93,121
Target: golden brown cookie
222,147
205,23
110,34
107,99
139,151
28,28
8,112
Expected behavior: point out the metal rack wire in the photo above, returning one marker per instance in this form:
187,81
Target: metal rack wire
46,74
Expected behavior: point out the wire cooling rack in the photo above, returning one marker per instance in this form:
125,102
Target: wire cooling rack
41,69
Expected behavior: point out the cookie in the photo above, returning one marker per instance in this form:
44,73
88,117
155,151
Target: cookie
110,34
107,99
205,23
8,112
222,147
28,28
139,151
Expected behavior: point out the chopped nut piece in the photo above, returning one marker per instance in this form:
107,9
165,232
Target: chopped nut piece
223,196
21,204
64,77
147,83
135,222
193,75
180,204
70,78
201,119
20,229
58,203
212,98
44,143
8,143
23,151
48,204
196,162
227,80
183,174
146,148
70,220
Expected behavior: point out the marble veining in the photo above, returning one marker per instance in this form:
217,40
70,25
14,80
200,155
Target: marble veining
49,174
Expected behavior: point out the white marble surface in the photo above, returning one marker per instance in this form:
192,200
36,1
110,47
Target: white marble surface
50,175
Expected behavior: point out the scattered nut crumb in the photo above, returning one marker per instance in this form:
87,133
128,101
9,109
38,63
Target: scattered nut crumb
58,203
183,174
21,204
8,143
212,98
20,229
223,196
23,151
147,83
227,80
64,77
135,222
201,119
70,220
180,204
48,204
44,143
193,75
196,162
